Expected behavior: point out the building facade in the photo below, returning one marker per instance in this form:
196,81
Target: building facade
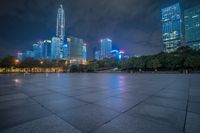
47,53
172,33
60,27
97,55
118,54
37,50
75,50
84,52
56,48
106,48
192,27
20,56
65,51
28,54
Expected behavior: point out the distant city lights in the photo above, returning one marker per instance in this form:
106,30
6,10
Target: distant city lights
72,49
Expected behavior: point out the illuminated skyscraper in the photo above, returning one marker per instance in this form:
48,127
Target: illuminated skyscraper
97,55
172,27
84,52
56,48
65,51
75,47
37,50
60,28
47,53
192,27
106,48
118,54
20,56
28,54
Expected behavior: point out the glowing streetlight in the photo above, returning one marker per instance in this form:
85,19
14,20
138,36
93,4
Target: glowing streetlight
16,62
66,62
41,62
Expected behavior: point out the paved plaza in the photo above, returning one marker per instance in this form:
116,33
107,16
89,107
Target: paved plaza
100,103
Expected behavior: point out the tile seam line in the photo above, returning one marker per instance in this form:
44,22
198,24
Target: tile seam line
186,113
163,88
56,115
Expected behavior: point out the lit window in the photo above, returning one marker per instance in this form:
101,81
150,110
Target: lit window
195,16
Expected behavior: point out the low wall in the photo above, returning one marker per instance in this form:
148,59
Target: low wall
32,70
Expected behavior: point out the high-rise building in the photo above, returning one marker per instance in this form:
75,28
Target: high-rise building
172,27
84,52
192,27
28,54
75,47
20,56
118,54
60,28
37,50
56,48
46,46
97,55
106,48
65,51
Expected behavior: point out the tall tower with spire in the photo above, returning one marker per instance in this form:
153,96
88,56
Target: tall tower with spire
60,27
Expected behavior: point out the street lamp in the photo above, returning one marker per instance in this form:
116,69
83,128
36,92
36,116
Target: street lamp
66,63
17,62
41,62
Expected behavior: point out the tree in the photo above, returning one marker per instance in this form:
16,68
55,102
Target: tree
172,62
192,62
153,64
74,68
29,63
8,61
92,67
82,68
156,64
138,63
125,64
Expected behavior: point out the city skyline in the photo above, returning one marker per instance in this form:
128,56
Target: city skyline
135,40
72,49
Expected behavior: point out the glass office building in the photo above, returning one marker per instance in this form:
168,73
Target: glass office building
84,52
47,53
20,56
65,51
75,50
37,50
28,54
172,27
97,55
60,27
106,48
192,27
56,48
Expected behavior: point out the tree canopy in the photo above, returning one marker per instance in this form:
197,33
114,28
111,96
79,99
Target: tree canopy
183,58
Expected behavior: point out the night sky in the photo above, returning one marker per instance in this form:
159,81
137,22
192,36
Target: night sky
133,25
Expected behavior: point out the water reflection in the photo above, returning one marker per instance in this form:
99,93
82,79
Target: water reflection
117,80
47,74
114,82
58,75
17,81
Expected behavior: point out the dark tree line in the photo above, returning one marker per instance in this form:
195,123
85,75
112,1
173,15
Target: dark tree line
182,59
